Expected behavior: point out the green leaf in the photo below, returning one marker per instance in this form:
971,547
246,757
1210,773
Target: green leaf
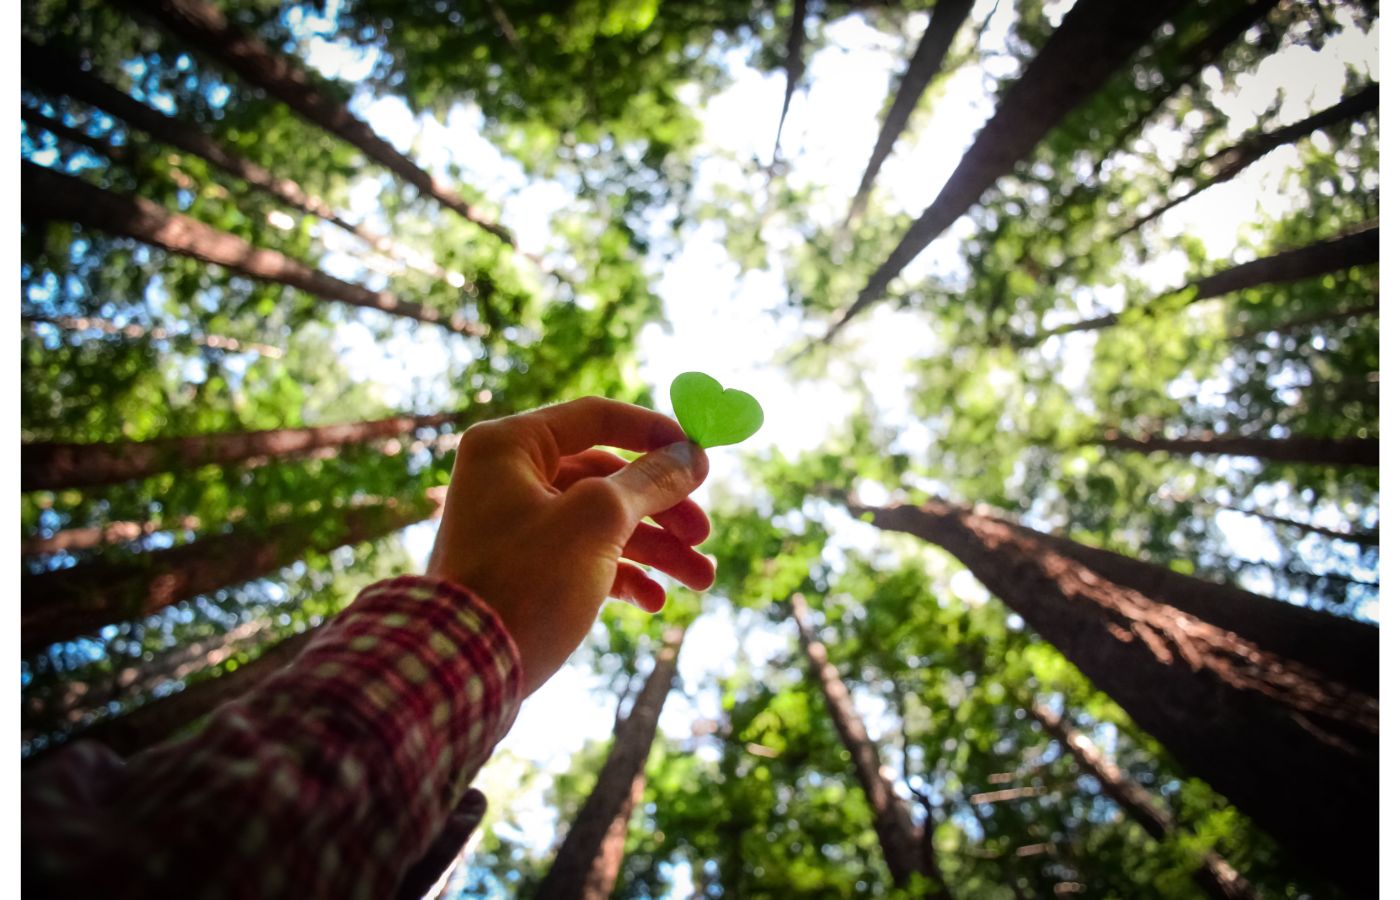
712,415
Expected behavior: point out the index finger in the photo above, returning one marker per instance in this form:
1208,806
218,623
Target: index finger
592,421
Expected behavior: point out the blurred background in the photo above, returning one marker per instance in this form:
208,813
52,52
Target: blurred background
1016,282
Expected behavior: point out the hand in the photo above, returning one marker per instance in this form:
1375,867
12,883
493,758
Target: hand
536,521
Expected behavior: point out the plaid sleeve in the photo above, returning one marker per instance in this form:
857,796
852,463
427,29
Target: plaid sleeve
329,780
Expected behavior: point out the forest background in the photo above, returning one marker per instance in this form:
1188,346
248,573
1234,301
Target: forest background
607,203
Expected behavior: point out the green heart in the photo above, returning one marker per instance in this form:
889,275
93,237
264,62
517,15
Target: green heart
711,415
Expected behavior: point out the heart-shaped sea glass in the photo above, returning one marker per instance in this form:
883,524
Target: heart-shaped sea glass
711,415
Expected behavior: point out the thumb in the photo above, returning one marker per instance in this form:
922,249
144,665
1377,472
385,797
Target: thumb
662,478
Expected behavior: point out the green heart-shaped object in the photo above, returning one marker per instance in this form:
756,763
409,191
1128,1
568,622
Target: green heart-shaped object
711,415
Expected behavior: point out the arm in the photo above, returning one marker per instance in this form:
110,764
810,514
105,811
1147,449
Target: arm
336,774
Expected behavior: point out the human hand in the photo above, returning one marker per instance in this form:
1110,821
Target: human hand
537,521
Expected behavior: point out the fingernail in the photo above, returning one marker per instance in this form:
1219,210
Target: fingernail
682,452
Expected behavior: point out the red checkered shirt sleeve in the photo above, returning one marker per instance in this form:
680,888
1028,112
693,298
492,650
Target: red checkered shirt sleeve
328,780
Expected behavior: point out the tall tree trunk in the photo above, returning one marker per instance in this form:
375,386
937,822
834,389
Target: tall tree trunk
1359,248
66,603
794,65
1296,752
1095,38
899,839
138,332
1339,648
48,195
1364,538
58,74
588,861
56,466
203,27
71,539
1307,450
1302,322
943,24
114,152
80,699
1225,165
1215,876
158,720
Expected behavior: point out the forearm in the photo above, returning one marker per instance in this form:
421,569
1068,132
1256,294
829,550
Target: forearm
330,779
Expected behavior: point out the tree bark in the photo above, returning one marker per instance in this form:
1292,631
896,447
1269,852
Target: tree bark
67,603
71,539
1306,450
1225,165
1215,876
588,861
48,195
1095,38
1295,751
794,65
1360,248
55,466
58,74
203,27
899,839
114,152
943,25
137,332
1341,649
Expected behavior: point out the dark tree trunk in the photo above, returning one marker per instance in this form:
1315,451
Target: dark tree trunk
1361,248
58,74
1296,752
1302,322
1306,450
1215,876
73,539
794,64
1231,161
1095,38
1339,648
588,861
1364,538
114,152
47,195
56,466
943,24
138,332
66,603
203,27
158,720
900,842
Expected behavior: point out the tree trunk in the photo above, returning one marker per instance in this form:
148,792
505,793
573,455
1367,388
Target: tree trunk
1341,649
1302,322
1296,752
588,861
899,839
66,603
58,74
1093,41
1360,248
158,720
47,195
138,332
794,64
71,539
943,24
1364,538
1225,165
1215,876
56,466
1306,450
114,152
204,28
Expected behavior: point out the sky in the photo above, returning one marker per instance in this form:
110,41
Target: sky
731,324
